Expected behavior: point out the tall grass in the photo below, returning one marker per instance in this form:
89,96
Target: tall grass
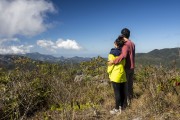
35,90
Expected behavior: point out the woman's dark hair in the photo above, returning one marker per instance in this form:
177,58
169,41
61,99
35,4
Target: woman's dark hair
119,41
125,32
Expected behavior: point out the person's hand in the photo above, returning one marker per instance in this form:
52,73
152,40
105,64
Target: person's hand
110,62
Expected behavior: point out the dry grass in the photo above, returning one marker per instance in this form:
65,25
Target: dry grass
49,92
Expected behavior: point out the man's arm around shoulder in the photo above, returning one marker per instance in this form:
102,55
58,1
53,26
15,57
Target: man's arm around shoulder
122,55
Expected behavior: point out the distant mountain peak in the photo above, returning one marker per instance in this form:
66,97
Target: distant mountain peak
165,56
34,53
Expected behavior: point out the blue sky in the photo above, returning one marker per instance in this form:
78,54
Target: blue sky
86,27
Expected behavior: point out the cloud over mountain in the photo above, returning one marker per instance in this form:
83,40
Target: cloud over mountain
59,44
23,17
13,49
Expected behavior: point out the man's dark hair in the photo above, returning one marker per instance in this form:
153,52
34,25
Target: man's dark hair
125,32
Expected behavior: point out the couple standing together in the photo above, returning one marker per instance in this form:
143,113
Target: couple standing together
121,63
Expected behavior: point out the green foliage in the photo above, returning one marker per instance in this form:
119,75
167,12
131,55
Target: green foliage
158,82
48,91
94,67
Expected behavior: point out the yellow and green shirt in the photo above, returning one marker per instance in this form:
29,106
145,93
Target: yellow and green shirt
116,72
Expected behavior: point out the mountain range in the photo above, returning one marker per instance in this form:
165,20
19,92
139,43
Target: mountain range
8,60
166,57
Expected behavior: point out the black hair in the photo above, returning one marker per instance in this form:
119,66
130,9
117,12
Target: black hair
119,41
125,32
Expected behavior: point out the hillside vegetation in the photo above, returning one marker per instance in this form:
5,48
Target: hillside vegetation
169,57
35,90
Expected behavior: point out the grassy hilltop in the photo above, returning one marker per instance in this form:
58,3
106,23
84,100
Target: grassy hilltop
33,90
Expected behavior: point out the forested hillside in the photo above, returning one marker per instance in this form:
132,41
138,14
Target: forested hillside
169,57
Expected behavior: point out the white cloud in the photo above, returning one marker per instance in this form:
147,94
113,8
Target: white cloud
21,49
59,44
68,44
49,45
45,43
23,17
13,49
